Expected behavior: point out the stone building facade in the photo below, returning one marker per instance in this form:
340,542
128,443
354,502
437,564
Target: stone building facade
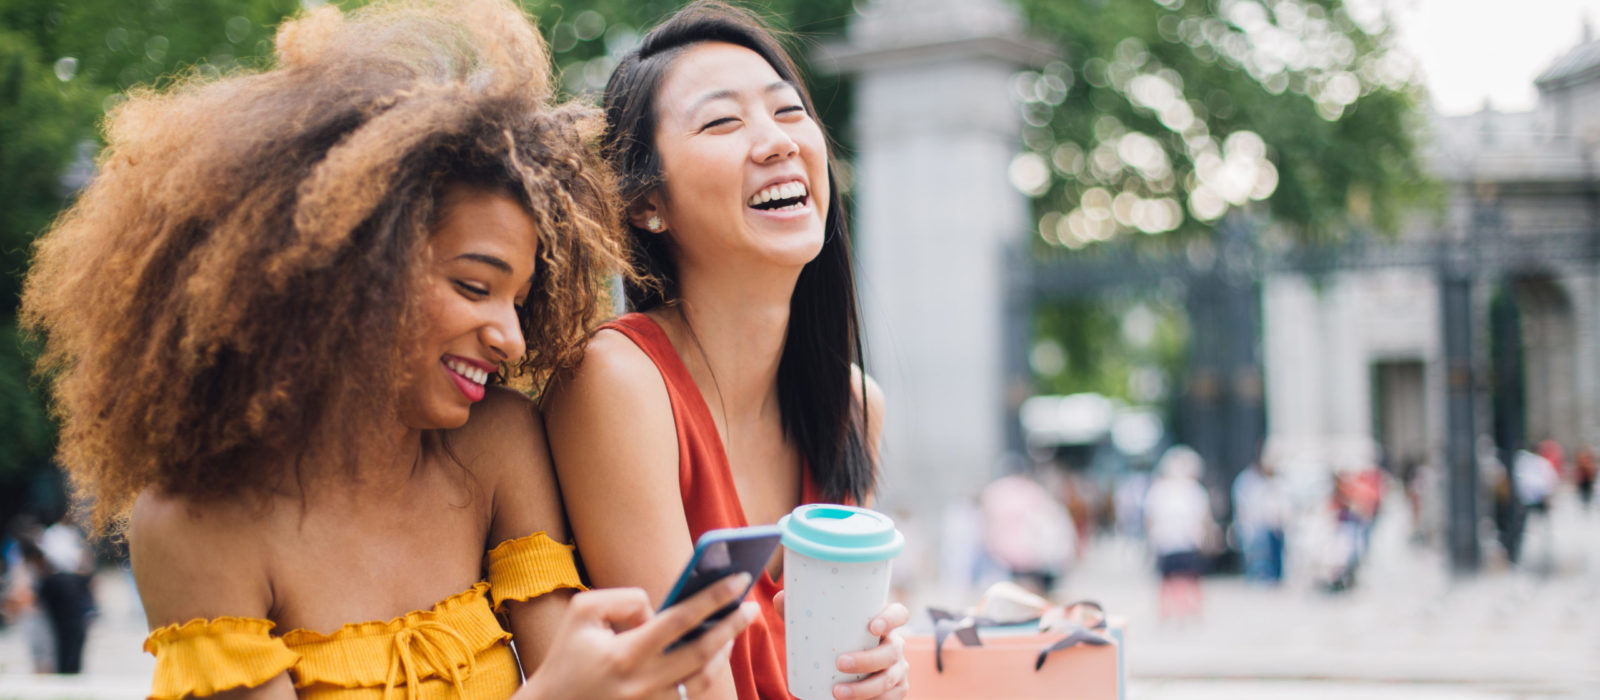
1356,355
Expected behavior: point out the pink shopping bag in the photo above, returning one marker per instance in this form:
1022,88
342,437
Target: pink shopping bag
1004,668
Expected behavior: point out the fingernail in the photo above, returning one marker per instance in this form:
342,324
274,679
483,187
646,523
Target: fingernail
843,691
738,582
751,610
847,663
876,627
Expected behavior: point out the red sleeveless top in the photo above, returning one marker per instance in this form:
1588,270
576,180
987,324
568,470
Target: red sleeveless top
705,484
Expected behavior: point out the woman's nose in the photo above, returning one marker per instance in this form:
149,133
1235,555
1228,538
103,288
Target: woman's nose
503,335
774,143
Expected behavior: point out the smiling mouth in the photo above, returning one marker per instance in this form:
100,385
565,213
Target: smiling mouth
788,196
469,379
470,373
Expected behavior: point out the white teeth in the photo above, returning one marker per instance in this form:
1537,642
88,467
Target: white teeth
788,190
472,374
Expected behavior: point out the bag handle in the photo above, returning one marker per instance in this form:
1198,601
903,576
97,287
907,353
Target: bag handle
965,628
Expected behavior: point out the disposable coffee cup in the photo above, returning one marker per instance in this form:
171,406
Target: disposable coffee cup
836,574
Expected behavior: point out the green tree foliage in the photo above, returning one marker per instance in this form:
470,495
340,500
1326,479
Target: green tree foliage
1129,347
29,433
62,64
1166,113
42,119
587,36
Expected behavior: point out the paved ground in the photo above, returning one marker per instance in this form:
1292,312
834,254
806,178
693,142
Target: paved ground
1407,631
1408,623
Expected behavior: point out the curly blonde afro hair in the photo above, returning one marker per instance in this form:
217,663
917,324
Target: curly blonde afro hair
230,299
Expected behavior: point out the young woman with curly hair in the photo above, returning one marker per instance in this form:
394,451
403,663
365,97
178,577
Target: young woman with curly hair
275,325
733,394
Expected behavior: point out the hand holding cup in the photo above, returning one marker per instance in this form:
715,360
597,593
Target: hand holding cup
836,567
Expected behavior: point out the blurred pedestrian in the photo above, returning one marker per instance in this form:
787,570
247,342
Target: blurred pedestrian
1260,511
1585,466
64,592
1427,505
1028,531
1082,497
964,559
1129,499
1177,523
1535,479
1553,453
26,569
1496,479
1357,495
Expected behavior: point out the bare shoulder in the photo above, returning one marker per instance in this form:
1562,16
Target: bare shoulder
501,407
611,361
503,445
874,393
197,560
866,392
616,452
615,374
503,427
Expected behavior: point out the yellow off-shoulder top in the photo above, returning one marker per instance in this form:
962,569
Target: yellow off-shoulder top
457,649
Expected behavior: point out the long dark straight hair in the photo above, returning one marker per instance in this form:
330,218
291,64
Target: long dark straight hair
824,337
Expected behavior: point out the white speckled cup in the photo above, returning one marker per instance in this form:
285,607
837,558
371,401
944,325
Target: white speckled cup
836,564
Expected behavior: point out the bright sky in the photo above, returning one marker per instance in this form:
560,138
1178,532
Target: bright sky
1473,49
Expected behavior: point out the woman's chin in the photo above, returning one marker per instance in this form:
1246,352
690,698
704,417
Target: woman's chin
798,250
439,418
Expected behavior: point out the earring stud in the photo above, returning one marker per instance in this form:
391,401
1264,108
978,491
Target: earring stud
654,224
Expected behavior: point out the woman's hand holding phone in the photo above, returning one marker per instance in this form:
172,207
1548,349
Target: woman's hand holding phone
886,662
612,645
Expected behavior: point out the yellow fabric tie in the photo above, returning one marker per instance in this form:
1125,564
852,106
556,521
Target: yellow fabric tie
429,638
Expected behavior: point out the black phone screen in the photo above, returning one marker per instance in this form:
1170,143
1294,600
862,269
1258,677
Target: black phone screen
722,554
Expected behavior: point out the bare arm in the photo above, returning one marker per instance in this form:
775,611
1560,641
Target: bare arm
504,444
616,454
885,663
863,386
199,563
600,644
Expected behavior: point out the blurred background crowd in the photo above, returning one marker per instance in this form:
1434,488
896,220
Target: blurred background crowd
1255,319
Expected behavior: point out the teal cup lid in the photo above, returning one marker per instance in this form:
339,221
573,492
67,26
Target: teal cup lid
832,532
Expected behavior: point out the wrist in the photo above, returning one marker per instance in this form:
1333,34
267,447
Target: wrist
534,687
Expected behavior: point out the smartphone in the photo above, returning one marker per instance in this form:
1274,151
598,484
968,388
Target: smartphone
719,554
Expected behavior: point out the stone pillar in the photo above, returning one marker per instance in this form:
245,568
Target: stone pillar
935,215
1582,288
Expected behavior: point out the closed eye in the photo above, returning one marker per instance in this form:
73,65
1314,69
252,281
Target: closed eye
791,109
718,122
471,290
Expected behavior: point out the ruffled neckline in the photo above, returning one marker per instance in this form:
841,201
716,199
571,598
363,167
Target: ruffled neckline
203,625
352,630
256,625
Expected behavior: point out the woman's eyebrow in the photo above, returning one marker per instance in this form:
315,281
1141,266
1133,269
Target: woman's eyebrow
712,96
486,259
734,94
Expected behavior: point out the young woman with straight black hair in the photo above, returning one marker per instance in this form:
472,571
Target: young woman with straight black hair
733,393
